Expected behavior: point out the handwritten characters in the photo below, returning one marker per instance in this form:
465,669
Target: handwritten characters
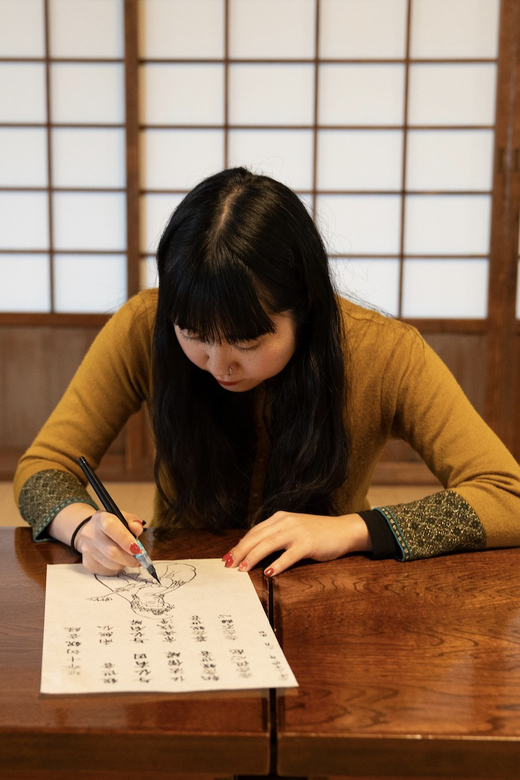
203,628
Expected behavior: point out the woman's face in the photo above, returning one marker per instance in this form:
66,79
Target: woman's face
251,362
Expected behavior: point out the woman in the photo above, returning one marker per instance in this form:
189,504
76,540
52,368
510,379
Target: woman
271,400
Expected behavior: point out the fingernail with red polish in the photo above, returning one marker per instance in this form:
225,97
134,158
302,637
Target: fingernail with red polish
243,566
135,549
228,560
269,572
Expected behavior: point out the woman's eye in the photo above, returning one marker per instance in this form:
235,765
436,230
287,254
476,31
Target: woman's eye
247,347
188,334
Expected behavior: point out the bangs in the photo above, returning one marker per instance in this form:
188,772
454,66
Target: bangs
219,302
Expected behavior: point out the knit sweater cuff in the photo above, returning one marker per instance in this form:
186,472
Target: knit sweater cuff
45,494
441,523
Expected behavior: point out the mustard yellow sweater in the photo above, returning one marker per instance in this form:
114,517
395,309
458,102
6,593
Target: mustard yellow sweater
398,387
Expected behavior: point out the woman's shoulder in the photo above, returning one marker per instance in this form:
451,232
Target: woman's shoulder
144,302
138,313
129,331
364,325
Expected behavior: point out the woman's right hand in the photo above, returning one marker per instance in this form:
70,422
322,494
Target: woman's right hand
104,543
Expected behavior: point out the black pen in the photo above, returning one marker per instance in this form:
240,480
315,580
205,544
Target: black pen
109,504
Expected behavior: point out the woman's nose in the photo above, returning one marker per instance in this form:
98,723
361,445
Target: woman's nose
219,359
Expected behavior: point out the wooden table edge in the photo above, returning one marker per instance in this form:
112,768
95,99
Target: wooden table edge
403,756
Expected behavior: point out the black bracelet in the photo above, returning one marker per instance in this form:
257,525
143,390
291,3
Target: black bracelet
73,537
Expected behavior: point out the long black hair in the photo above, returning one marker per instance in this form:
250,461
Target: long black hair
238,249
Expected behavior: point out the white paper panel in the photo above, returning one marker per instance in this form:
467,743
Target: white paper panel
22,92
148,273
22,28
361,94
270,28
86,28
25,283
94,284
87,93
360,159
24,220
360,224
271,94
374,282
178,159
181,29
23,157
285,155
450,160
458,94
155,211
447,225
88,158
445,288
363,29
455,28
308,203
182,94
89,221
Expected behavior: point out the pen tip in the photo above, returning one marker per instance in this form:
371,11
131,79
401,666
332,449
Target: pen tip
154,574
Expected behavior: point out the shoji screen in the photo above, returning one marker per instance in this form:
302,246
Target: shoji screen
224,84
396,121
380,113
62,146
425,149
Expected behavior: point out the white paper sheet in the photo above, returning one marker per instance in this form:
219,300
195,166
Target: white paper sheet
203,628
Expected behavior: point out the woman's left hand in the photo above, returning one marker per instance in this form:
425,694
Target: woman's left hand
299,536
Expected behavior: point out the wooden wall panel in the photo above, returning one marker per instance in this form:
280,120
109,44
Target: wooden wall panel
36,365
514,423
510,421
465,354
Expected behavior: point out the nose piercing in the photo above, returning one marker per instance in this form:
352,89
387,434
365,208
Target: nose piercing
230,371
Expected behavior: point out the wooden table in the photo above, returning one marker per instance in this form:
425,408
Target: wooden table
405,669
114,736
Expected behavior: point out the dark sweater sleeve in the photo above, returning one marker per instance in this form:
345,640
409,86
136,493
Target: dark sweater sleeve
384,543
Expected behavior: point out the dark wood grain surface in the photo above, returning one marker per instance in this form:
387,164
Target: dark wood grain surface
404,669
115,735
